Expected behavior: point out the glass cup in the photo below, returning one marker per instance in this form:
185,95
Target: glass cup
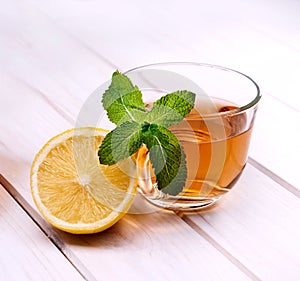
215,135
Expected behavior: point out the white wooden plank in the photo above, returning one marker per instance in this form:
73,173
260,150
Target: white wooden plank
27,122
259,224
156,246
26,253
38,52
255,37
275,140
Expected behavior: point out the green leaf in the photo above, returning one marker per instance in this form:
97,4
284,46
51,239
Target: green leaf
167,158
120,143
171,108
125,107
123,101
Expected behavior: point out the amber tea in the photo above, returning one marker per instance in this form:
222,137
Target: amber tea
215,135
216,151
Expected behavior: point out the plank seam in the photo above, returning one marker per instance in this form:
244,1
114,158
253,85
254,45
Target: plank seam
218,247
282,102
286,185
45,228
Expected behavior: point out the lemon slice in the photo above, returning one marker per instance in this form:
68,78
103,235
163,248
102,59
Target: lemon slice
73,191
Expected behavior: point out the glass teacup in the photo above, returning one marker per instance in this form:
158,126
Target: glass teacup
215,135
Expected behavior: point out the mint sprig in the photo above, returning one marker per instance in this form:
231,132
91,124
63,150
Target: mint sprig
135,126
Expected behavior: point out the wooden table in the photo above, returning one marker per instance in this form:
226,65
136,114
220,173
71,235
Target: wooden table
53,54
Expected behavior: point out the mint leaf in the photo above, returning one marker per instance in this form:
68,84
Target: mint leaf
171,108
167,158
120,143
123,101
125,107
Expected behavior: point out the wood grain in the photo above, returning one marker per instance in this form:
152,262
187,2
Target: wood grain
26,253
156,246
53,55
249,36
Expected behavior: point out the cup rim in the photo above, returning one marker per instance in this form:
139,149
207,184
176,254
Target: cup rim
240,109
